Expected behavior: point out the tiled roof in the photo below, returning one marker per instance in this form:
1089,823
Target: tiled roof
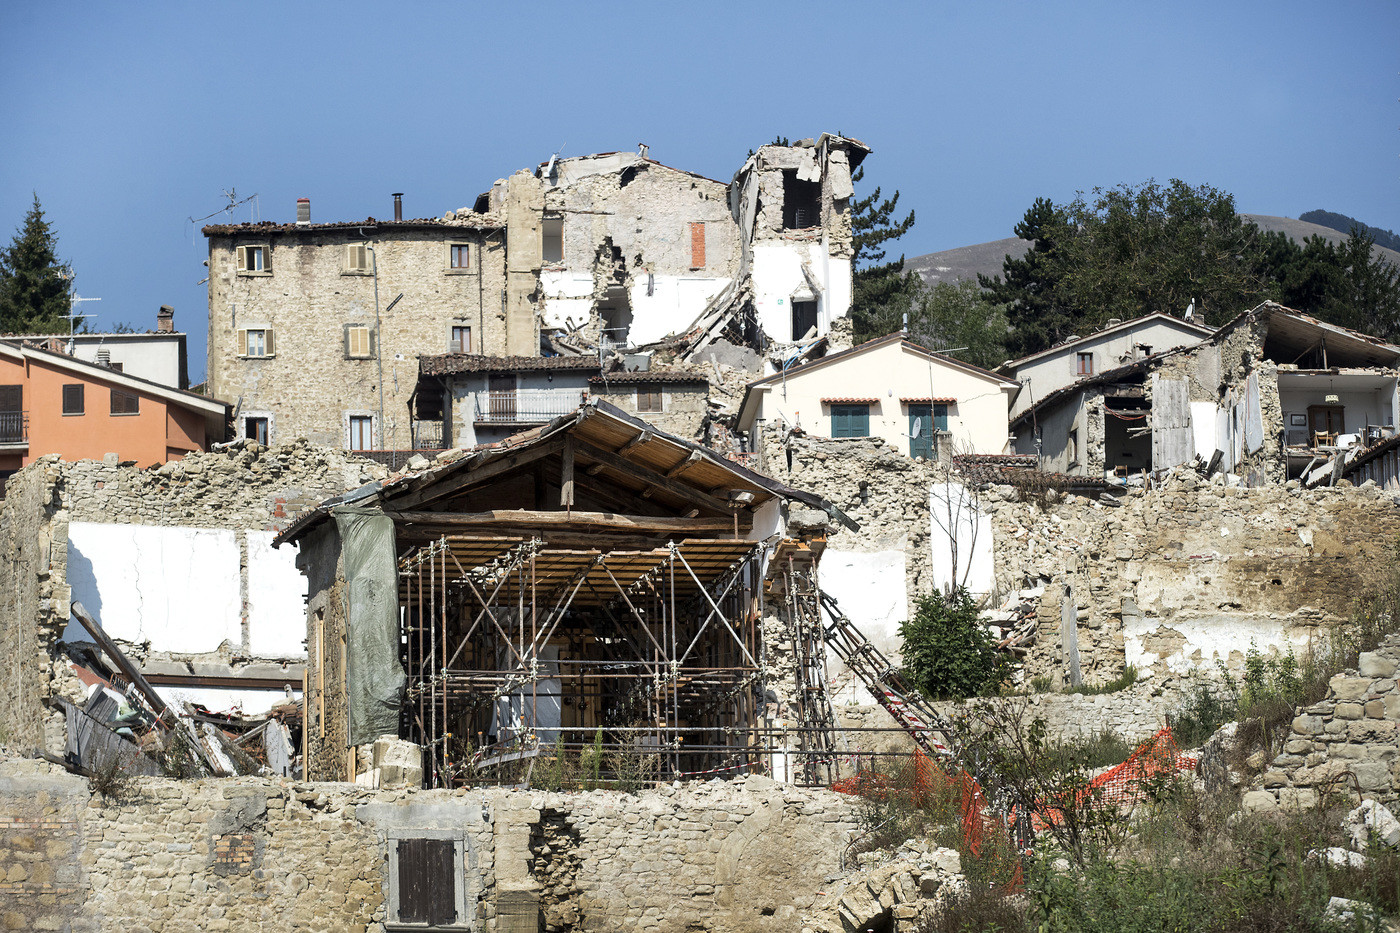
940,401
652,376
269,228
450,363
857,400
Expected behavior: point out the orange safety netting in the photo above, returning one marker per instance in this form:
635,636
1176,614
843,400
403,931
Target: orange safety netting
1157,758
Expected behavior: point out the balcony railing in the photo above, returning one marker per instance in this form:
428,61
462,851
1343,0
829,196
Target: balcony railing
14,427
526,406
427,435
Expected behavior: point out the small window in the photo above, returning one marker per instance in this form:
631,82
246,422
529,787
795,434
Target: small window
459,257
116,367
850,420
697,246
256,429
125,403
1084,363
256,342
361,432
73,399
357,259
460,339
1072,447
648,399
359,342
254,260
802,202
552,243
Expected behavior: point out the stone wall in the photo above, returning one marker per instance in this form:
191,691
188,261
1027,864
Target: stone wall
684,403
243,487
1343,744
251,853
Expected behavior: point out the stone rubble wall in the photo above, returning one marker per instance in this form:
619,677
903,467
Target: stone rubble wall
254,853
1346,743
244,487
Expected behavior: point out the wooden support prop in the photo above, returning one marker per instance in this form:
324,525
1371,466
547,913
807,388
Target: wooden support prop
123,663
526,517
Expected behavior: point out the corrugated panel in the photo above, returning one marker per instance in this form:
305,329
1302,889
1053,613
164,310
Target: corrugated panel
1253,417
1172,443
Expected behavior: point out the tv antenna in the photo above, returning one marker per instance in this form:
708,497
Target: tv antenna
73,299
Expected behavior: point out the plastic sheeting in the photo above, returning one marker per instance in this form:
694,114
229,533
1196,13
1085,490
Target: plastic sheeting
374,678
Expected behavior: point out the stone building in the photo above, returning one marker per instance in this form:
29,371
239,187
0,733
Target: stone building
315,329
463,399
675,400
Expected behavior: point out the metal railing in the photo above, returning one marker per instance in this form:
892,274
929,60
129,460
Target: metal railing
427,435
526,406
14,427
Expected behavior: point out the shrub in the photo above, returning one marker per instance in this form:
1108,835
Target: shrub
948,653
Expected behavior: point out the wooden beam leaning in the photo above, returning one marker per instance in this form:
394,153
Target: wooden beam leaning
504,464
621,464
527,517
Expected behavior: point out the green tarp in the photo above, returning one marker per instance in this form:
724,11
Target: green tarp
374,678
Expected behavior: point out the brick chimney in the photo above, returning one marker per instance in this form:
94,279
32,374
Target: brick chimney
165,320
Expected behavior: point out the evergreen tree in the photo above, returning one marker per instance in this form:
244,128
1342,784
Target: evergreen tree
880,291
33,291
1029,287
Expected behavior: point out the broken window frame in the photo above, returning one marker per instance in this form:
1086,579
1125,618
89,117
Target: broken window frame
548,239
802,202
257,428
809,311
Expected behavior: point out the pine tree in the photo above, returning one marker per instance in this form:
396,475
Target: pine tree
880,291
33,289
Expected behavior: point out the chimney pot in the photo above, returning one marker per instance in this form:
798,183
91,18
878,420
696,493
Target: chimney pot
398,205
165,320
303,211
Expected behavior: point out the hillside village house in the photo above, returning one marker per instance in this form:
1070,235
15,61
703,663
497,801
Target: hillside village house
315,328
52,403
1272,395
1111,346
889,388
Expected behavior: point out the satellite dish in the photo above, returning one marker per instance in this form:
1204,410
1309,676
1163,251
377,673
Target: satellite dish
918,428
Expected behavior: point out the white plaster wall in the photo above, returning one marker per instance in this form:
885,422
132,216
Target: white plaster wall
889,373
568,298
956,523
674,303
219,700
153,357
1206,640
177,588
777,274
276,599
870,589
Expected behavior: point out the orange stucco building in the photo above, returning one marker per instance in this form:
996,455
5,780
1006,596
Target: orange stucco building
51,403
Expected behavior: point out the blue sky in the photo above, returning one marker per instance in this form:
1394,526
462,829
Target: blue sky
129,119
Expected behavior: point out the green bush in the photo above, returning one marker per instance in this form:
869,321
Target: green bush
948,653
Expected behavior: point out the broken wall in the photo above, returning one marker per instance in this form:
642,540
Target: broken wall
229,615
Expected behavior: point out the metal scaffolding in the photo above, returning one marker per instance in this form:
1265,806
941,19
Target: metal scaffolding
514,647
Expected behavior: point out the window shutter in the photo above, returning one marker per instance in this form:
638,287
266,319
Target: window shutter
242,341
427,892
268,348
241,252
362,258
267,258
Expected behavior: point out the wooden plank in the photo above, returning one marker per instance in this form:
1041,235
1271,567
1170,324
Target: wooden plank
1172,441
627,467
456,481
566,476
694,458
634,443
130,670
501,517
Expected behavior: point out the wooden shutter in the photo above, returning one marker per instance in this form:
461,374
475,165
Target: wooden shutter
268,348
12,398
267,258
850,420
427,892
73,399
242,341
241,252
697,246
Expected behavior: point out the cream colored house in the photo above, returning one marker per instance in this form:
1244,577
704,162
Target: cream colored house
890,388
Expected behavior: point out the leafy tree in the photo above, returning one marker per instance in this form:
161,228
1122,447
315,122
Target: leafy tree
33,290
879,290
1346,284
947,652
1125,252
954,316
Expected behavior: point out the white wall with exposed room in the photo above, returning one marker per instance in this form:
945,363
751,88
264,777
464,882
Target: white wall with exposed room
960,540
778,277
568,299
180,589
667,304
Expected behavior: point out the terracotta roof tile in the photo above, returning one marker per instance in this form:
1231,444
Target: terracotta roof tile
451,363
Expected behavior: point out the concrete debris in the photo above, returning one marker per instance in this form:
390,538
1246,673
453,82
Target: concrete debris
1372,820
1338,857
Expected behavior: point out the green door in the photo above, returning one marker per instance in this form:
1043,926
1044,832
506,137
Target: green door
921,431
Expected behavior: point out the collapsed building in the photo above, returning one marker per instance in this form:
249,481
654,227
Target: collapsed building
595,583
315,329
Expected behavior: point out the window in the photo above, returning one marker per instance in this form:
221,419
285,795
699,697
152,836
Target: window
804,318
256,342
73,399
925,421
802,202
254,260
256,428
1084,363
12,426
359,342
361,432
850,420
1072,447
357,260
125,403
426,881
459,339
697,246
553,239
459,257
648,399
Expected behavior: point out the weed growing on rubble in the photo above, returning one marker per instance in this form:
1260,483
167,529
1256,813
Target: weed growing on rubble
113,779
